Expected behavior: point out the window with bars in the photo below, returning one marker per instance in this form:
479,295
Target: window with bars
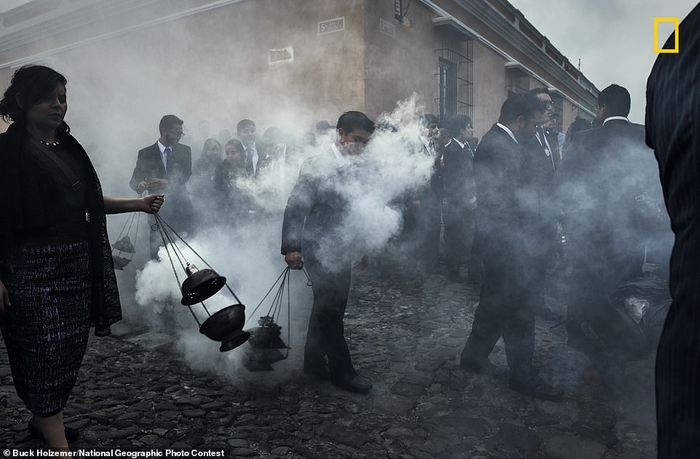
454,76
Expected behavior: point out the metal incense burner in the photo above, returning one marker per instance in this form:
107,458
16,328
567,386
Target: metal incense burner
266,340
224,326
124,247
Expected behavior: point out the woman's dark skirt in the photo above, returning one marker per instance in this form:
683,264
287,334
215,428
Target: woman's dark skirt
46,328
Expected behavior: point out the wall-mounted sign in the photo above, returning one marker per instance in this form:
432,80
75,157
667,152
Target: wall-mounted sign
331,25
387,28
398,10
281,55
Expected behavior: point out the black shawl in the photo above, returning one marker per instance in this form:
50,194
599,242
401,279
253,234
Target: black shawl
22,207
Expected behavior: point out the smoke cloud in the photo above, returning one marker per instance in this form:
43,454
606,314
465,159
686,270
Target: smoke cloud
118,89
248,253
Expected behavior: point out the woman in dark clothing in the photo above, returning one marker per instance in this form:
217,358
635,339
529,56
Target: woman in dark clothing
202,180
201,184
235,200
210,158
56,272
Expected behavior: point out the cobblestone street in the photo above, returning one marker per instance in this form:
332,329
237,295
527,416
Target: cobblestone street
405,330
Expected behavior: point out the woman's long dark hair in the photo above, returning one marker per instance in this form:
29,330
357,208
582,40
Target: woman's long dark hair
30,85
208,142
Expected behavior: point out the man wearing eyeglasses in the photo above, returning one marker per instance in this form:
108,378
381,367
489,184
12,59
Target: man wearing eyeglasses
500,174
164,168
541,161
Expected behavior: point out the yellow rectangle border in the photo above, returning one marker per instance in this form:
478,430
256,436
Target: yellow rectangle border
656,35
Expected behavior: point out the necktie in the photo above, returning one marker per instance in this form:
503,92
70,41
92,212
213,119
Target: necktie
545,143
166,155
249,161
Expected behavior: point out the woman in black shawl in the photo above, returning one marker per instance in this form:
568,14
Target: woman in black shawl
56,272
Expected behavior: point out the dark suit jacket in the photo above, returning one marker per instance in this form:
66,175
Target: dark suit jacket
150,165
458,174
540,165
672,130
178,211
605,183
498,172
264,159
315,212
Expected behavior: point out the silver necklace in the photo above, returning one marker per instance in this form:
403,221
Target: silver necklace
49,144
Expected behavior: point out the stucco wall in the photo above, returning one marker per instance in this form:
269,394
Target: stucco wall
215,65
399,66
489,88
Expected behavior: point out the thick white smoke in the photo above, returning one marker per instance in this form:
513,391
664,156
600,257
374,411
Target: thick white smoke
248,255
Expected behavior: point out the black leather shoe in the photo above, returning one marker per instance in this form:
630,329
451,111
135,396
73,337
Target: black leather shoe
536,387
71,434
102,332
472,366
317,367
358,384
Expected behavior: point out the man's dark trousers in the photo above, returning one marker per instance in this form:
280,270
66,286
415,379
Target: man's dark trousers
503,310
325,336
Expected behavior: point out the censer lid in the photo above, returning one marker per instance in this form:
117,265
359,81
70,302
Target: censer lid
200,285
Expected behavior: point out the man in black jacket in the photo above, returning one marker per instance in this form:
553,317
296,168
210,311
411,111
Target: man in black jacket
164,168
459,198
500,176
256,156
542,161
602,182
672,130
314,225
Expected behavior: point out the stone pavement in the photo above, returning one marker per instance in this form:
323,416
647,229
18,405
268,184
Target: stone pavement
405,331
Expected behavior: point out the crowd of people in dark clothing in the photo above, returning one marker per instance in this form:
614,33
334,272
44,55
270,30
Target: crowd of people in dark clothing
242,180
505,205
498,207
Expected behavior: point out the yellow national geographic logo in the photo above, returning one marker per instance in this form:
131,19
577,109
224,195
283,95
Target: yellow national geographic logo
658,49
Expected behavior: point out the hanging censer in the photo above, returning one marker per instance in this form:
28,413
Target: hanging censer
124,246
266,340
224,326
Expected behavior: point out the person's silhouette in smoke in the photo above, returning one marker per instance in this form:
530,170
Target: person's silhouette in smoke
314,226
673,131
